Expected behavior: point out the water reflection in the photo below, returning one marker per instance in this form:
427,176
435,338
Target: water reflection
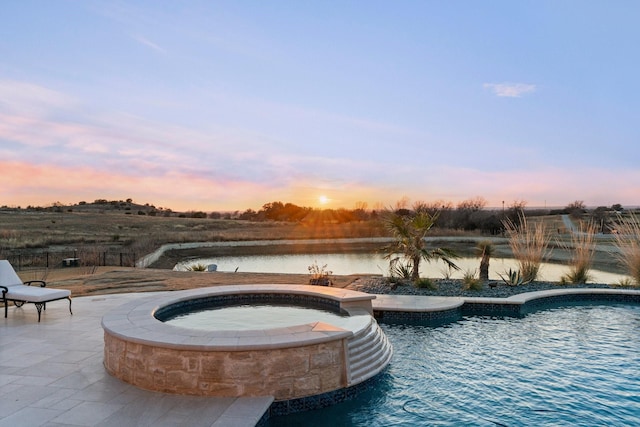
374,263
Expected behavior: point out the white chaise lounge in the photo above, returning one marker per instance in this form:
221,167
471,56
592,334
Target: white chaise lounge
13,289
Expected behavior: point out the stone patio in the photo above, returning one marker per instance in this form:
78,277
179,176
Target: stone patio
52,374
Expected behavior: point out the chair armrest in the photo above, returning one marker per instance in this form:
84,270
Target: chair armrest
42,283
4,290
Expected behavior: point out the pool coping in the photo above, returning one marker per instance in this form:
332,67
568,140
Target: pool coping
135,321
420,306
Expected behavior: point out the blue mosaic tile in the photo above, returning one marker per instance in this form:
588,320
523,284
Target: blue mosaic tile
432,318
286,407
496,309
577,299
491,309
218,301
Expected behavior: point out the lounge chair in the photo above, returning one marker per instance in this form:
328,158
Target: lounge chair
13,289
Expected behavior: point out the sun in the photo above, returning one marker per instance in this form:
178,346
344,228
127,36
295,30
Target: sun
323,200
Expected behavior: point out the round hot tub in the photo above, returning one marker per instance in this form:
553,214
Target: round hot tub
249,316
307,356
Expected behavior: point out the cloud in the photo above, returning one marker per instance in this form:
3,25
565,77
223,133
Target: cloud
510,90
27,98
146,42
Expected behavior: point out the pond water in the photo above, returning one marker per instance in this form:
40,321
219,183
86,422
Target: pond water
374,263
572,366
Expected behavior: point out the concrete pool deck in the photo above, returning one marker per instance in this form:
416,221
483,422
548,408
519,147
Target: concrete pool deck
52,373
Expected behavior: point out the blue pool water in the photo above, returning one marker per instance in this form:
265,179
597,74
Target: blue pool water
244,317
573,366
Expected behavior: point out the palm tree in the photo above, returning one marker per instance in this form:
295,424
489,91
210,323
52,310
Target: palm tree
409,231
485,249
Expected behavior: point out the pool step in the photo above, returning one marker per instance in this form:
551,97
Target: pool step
369,352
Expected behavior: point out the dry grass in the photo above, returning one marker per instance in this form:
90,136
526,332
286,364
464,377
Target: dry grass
43,239
529,244
62,234
628,245
33,230
582,248
471,282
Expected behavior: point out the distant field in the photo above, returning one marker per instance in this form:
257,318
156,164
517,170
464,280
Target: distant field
26,229
29,232
93,235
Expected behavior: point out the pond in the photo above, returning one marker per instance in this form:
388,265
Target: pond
374,263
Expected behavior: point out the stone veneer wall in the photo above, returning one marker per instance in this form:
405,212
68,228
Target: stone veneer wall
285,373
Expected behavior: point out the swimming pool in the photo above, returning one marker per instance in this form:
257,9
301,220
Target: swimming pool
564,366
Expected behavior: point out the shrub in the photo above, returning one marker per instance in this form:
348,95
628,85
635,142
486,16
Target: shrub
196,267
319,274
513,278
318,271
399,270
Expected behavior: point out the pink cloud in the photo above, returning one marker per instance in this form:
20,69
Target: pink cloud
25,183
29,184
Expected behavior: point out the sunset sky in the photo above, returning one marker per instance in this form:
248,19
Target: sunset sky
212,105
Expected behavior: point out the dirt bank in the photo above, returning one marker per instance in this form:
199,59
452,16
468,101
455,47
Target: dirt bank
112,280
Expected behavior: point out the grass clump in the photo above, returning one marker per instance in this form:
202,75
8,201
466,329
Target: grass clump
582,247
471,282
425,283
626,282
529,245
628,244
447,272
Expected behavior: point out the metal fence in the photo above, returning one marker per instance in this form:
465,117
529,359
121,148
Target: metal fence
21,260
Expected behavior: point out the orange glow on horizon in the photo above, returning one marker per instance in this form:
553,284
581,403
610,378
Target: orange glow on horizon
24,184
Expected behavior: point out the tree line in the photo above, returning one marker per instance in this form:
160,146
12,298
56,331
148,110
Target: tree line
468,215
